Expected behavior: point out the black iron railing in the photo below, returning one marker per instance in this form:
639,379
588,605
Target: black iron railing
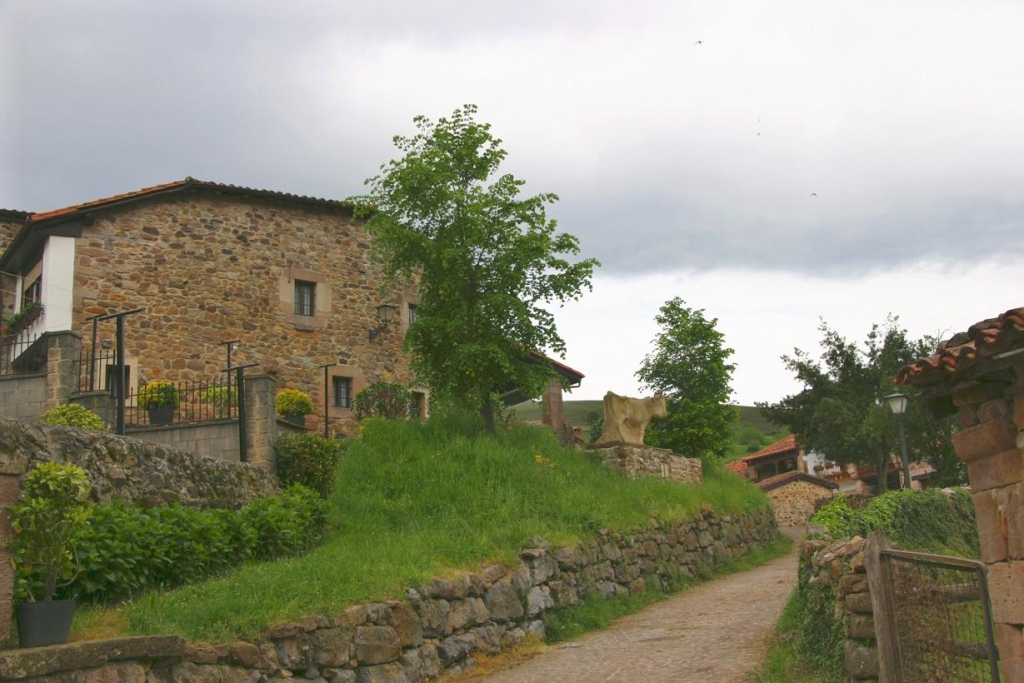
21,354
166,403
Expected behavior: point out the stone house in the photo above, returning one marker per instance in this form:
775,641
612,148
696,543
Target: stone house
781,471
289,277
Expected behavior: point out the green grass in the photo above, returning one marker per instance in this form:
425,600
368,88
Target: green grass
418,500
595,614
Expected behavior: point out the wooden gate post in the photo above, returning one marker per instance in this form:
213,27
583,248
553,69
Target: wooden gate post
880,586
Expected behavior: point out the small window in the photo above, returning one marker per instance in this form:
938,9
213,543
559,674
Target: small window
305,298
413,315
342,392
33,292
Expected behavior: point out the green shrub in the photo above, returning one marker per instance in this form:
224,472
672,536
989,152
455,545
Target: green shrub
74,415
389,400
48,519
308,459
932,520
294,402
157,394
221,398
127,549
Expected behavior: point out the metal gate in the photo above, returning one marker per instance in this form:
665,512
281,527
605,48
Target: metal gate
932,617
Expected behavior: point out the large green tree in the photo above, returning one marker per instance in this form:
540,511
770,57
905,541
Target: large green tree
487,262
689,367
841,413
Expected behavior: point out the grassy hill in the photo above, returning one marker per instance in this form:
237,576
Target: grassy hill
414,500
751,432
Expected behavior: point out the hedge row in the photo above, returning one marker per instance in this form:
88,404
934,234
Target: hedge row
128,549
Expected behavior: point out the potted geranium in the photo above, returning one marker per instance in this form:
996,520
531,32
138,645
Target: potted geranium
160,397
50,516
294,405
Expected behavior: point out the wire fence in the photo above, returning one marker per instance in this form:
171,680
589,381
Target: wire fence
942,618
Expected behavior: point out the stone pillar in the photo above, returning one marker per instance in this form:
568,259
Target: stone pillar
992,414
99,402
551,410
63,352
11,470
261,420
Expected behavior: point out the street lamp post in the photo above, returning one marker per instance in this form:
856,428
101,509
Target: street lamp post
898,404
327,395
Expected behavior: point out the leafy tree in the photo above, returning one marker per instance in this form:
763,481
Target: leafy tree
689,367
486,260
841,414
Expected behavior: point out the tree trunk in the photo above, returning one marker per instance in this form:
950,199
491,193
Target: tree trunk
487,413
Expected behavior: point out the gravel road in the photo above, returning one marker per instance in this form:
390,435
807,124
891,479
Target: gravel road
714,632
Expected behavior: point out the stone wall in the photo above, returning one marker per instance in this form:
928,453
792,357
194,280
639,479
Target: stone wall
125,468
644,461
438,628
795,502
217,440
118,468
207,266
839,568
23,396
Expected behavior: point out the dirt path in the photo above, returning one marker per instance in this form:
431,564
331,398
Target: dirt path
714,632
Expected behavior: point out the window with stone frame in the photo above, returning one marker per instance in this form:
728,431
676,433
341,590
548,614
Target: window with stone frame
342,392
413,314
305,298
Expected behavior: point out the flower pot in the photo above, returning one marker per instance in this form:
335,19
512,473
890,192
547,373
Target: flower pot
297,420
47,622
161,415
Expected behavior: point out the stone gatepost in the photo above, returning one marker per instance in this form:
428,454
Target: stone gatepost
11,470
992,415
261,420
63,352
980,375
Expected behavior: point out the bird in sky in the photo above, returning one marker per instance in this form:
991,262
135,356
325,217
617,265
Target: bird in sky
814,194
699,42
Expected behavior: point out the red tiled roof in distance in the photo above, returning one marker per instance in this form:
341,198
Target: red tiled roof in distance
783,479
967,350
786,443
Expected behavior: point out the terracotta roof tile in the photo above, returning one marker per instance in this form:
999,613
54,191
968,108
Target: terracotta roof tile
176,185
737,466
786,443
785,478
966,350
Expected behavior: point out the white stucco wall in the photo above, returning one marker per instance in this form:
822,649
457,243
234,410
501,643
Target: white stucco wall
58,283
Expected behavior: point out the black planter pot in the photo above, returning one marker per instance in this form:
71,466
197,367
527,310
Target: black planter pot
47,622
161,415
298,420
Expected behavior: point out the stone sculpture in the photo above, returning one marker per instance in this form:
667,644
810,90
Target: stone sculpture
626,419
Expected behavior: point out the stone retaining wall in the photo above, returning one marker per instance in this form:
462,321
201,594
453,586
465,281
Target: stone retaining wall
125,468
840,567
645,461
23,396
439,627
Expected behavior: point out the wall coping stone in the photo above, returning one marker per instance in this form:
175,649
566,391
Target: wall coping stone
40,661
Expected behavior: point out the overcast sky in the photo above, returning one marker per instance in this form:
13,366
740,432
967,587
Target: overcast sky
774,163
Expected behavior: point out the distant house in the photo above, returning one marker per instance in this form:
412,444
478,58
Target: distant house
288,278
780,470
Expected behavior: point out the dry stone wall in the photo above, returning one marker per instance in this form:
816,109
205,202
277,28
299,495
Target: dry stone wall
124,468
795,502
644,461
840,569
441,625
